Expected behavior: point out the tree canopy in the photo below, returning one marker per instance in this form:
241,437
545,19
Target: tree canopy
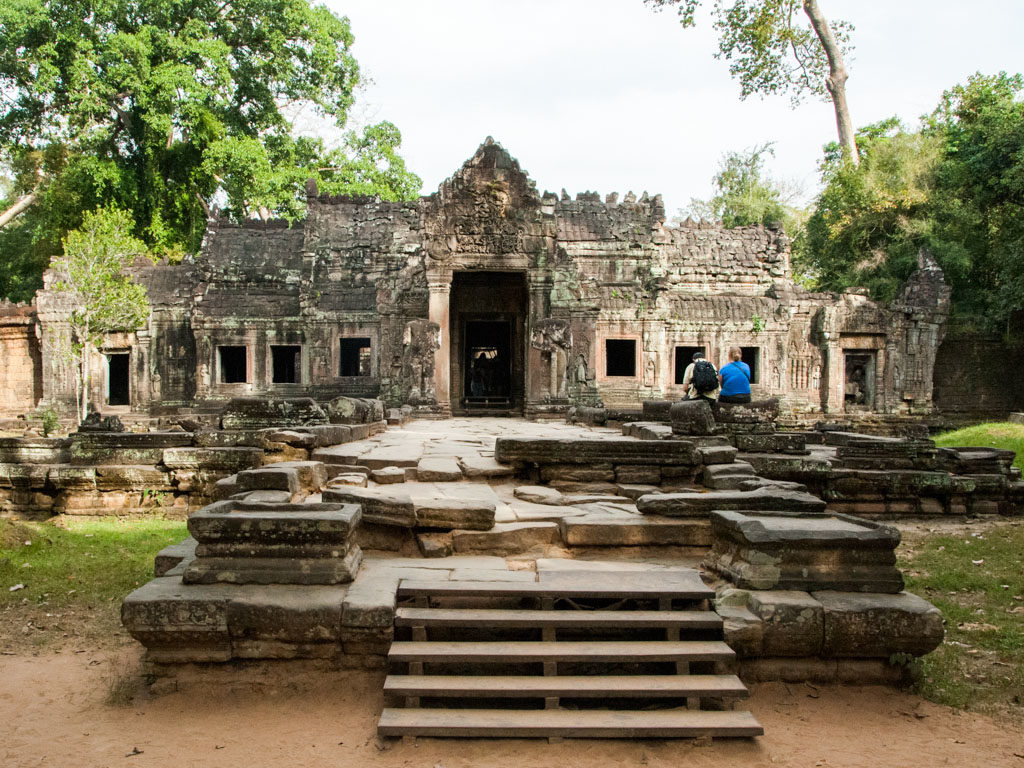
745,195
955,185
773,49
166,109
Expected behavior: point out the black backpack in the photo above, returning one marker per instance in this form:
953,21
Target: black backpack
705,377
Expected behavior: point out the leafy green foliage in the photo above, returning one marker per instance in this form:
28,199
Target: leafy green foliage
870,220
955,185
164,108
771,48
92,275
744,196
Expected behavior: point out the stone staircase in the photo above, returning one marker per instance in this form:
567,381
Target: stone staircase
576,654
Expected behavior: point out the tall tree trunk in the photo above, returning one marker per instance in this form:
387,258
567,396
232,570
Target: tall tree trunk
15,210
85,383
836,81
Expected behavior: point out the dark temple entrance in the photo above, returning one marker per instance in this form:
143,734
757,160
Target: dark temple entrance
118,389
487,316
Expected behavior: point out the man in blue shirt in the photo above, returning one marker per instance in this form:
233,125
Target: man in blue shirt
735,379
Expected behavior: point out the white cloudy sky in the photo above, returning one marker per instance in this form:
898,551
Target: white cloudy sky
607,95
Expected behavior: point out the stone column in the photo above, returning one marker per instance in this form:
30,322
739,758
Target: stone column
835,369
438,311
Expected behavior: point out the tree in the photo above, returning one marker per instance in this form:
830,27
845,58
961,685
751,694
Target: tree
870,220
166,109
103,297
770,50
955,185
745,196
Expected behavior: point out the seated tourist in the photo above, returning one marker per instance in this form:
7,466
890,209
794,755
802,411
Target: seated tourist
700,379
735,379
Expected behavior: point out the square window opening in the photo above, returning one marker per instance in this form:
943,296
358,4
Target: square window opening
684,356
620,357
355,357
752,357
286,362
233,365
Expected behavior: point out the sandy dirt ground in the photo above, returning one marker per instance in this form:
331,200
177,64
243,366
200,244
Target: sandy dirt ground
53,713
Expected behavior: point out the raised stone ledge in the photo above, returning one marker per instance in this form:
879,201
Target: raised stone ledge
804,552
34,450
95,448
696,504
230,459
524,450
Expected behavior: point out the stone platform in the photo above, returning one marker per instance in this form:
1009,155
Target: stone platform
500,500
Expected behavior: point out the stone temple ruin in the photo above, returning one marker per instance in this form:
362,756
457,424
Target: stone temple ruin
620,564
487,298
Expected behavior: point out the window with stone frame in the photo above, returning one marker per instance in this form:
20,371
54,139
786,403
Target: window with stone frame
233,362
355,357
620,357
286,364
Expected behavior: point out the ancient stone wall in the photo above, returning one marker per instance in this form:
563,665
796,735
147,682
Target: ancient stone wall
21,379
588,302
976,375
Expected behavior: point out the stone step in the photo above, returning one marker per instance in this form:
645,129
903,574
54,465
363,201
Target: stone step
501,723
682,585
488,617
593,651
568,686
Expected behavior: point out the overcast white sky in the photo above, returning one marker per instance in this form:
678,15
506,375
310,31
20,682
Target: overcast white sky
607,95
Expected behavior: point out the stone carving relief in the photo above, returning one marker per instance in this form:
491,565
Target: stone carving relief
553,337
420,341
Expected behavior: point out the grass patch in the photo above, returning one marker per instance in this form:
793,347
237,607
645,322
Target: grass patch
74,573
997,434
976,578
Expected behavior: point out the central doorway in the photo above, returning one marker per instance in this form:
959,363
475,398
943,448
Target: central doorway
488,311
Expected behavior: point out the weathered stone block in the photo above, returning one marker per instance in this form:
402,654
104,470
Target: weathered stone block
700,504
521,450
438,470
793,623
879,625
381,507
633,531
506,538
95,448
775,442
253,413
642,474
34,450
227,459
804,552
274,478
692,417
290,614
475,467
177,623
451,513
657,410
110,478
574,473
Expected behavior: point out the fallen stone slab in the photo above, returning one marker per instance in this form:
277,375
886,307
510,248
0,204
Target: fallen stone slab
275,478
388,475
657,410
289,437
525,450
879,625
538,494
355,479
507,538
380,506
438,470
599,472
434,544
392,456
450,513
752,484
717,454
700,504
635,491
254,413
475,467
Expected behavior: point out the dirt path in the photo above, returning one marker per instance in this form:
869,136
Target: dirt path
52,712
